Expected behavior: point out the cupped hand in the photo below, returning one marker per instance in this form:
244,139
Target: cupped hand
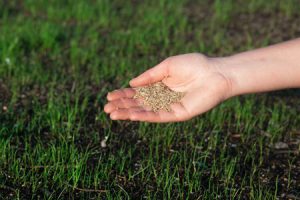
200,77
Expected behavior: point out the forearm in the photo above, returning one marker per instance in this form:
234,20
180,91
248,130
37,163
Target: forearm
266,69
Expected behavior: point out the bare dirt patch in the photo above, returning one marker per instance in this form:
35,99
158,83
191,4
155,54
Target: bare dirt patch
4,93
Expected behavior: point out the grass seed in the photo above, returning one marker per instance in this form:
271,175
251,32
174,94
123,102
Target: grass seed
158,96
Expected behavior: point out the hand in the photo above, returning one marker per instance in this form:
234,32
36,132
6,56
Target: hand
198,76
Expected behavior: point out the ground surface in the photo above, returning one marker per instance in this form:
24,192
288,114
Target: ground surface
58,59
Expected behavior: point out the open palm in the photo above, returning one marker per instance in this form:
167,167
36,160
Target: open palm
195,74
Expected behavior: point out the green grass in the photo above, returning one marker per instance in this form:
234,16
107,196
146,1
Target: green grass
58,59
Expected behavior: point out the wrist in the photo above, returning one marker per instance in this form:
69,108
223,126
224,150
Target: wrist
253,73
224,66
262,70
241,71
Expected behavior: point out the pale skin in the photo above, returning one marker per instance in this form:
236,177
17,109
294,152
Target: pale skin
209,81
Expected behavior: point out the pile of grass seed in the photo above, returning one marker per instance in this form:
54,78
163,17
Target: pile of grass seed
158,96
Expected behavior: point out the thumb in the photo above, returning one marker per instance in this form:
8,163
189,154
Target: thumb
153,75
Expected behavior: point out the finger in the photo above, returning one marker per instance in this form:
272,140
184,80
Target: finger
155,74
120,103
121,93
157,117
124,113
178,113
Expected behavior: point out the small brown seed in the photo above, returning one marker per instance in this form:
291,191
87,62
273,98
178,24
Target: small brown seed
158,96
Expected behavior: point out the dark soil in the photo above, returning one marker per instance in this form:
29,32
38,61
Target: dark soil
4,93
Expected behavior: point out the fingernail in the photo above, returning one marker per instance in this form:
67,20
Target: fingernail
113,116
130,82
106,109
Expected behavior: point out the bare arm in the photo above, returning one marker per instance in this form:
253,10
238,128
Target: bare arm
209,81
266,69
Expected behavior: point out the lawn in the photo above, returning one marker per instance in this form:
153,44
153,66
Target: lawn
58,60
